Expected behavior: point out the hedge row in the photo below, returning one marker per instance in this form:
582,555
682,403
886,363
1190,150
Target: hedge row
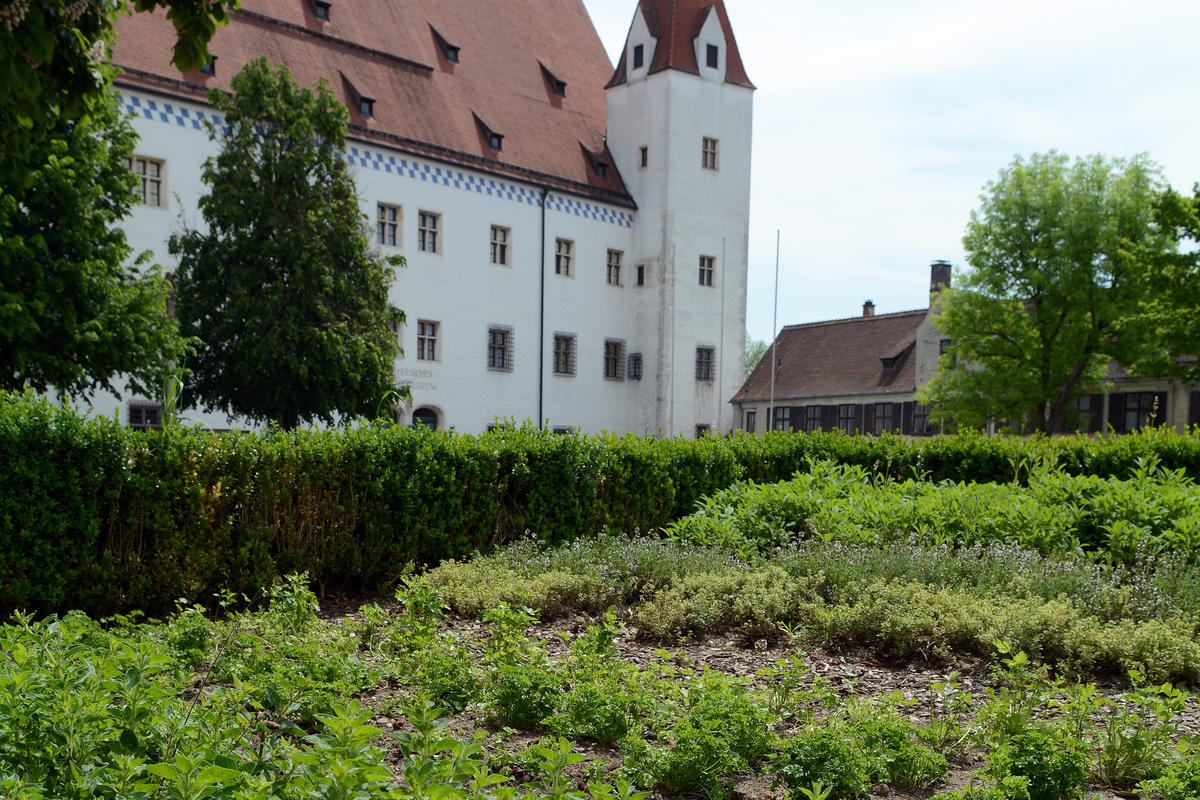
96,516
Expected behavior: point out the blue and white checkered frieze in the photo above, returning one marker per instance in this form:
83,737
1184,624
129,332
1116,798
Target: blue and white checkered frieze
188,116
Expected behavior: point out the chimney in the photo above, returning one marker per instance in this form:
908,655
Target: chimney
869,309
939,276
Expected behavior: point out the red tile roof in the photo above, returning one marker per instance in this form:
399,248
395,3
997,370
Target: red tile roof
841,357
676,24
424,103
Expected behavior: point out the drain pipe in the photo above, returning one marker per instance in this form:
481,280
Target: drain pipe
541,417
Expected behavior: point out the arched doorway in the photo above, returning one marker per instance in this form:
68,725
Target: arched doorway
425,417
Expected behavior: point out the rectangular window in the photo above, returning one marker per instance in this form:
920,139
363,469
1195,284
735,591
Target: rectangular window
428,225
563,251
712,56
145,415
563,430
921,425
614,268
427,335
639,57
885,421
707,268
704,363
635,367
387,225
500,245
641,275
564,354
499,348
783,419
147,189
644,152
750,421
702,430
812,419
846,414
1140,410
708,153
614,359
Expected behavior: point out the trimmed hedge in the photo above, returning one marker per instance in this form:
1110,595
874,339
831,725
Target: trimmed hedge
96,516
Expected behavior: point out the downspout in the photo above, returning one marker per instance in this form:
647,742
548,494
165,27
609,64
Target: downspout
542,318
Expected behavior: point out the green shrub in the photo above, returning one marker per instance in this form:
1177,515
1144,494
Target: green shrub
101,517
901,760
1180,781
522,695
831,755
1053,764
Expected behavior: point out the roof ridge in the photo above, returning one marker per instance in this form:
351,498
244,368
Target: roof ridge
841,320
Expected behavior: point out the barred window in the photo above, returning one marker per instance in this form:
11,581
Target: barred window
635,366
704,363
500,348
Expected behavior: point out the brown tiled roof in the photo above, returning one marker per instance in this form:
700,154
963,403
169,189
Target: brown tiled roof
676,24
424,103
841,357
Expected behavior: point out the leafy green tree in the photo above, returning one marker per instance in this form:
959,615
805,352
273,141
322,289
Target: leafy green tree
282,290
755,350
1169,312
1035,319
75,309
52,55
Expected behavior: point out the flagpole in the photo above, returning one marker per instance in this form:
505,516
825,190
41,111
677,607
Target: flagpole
774,338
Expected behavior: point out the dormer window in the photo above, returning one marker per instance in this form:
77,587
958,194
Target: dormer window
449,51
210,67
366,106
639,56
557,85
714,55
599,166
321,9
494,140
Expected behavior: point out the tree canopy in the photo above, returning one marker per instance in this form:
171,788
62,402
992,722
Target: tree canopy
75,309
282,290
755,350
53,57
1051,290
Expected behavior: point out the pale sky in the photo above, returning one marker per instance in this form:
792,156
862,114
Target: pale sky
877,124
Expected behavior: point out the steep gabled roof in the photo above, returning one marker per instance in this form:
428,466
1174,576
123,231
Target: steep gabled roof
841,357
425,103
676,24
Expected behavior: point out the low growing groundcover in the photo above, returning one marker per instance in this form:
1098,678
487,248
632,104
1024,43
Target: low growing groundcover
710,674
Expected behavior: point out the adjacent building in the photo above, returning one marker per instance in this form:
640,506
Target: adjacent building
861,375
575,233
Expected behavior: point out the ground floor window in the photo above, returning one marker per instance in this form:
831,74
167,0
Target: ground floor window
425,418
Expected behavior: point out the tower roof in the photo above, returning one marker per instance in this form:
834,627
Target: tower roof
676,24
532,71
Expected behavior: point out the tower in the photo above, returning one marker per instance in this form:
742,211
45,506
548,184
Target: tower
679,119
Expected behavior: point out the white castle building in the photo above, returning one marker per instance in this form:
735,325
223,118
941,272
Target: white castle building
576,235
